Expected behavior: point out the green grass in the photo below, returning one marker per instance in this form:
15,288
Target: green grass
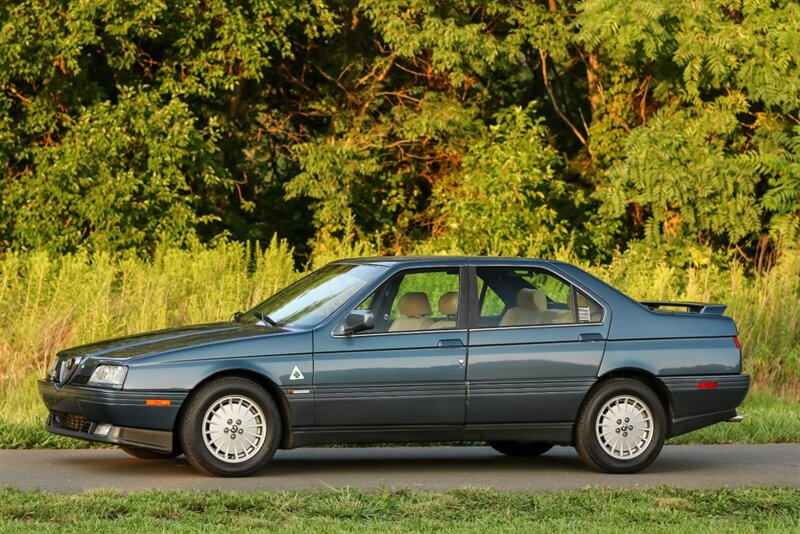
474,510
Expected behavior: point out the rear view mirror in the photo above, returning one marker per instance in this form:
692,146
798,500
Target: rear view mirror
358,320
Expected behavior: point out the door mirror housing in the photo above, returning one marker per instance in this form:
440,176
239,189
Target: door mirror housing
358,320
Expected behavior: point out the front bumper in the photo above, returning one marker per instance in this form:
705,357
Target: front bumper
113,416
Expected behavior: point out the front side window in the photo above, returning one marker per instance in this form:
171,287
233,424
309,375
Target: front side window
530,297
312,299
415,300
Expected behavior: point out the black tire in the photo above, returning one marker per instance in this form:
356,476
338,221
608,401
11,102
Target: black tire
520,449
600,452
219,463
144,454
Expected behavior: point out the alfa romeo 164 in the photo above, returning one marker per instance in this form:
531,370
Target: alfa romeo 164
523,354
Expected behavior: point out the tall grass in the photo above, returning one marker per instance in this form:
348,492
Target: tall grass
765,306
48,303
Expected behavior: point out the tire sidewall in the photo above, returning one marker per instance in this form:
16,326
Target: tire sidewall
592,450
192,441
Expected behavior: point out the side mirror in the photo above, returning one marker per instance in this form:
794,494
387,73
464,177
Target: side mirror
236,316
358,320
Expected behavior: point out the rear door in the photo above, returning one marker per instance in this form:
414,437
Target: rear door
410,368
536,343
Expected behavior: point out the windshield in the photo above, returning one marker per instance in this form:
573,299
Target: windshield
310,300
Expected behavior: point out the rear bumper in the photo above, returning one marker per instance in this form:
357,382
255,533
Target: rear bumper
694,406
113,416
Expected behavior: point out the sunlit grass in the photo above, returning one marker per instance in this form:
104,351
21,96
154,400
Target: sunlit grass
469,510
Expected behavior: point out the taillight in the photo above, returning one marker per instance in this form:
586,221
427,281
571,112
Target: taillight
736,342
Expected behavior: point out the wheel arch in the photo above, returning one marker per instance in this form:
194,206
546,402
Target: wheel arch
271,387
633,373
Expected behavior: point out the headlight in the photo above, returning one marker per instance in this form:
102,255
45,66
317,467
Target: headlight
109,375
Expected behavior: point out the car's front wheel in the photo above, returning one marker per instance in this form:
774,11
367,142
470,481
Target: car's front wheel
231,427
621,428
520,449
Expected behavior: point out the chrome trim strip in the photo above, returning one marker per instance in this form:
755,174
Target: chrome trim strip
431,331
491,328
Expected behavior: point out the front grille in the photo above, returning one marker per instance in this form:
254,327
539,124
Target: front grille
80,380
71,421
66,367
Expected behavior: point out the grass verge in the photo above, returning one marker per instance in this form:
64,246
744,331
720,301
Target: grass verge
592,510
768,419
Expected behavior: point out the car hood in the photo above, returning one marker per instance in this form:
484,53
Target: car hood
172,339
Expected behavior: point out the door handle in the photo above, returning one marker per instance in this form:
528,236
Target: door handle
450,343
590,337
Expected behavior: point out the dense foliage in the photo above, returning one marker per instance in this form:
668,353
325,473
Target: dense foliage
483,126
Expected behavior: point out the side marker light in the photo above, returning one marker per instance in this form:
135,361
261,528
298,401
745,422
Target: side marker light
707,385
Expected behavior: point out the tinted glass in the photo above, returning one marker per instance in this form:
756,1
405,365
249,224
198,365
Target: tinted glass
415,300
530,297
310,300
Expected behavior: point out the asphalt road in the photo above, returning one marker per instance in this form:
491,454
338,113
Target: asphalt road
428,468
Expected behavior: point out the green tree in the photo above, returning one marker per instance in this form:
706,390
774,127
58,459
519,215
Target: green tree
123,123
709,152
508,198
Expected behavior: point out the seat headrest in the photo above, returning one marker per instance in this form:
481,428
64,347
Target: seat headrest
448,303
532,299
414,304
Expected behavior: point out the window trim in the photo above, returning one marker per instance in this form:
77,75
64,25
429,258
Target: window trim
461,318
475,315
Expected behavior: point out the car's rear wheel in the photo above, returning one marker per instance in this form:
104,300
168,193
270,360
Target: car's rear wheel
621,428
144,454
520,449
231,427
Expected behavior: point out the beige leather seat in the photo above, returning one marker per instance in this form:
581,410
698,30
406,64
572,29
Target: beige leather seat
415,311
530,309
561,317
448,306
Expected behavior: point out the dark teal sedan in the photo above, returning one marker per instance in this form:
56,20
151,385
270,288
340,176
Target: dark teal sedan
524,354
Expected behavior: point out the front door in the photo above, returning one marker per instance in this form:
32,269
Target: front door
407,370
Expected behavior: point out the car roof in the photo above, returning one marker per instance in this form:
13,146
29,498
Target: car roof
389,261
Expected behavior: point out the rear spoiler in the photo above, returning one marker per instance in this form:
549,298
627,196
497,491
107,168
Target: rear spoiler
691,307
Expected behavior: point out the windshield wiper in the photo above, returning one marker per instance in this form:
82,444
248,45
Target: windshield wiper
264,317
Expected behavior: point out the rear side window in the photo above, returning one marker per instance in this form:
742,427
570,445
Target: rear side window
531,297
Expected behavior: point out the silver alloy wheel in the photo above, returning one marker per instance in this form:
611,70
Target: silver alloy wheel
234,429
624,427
